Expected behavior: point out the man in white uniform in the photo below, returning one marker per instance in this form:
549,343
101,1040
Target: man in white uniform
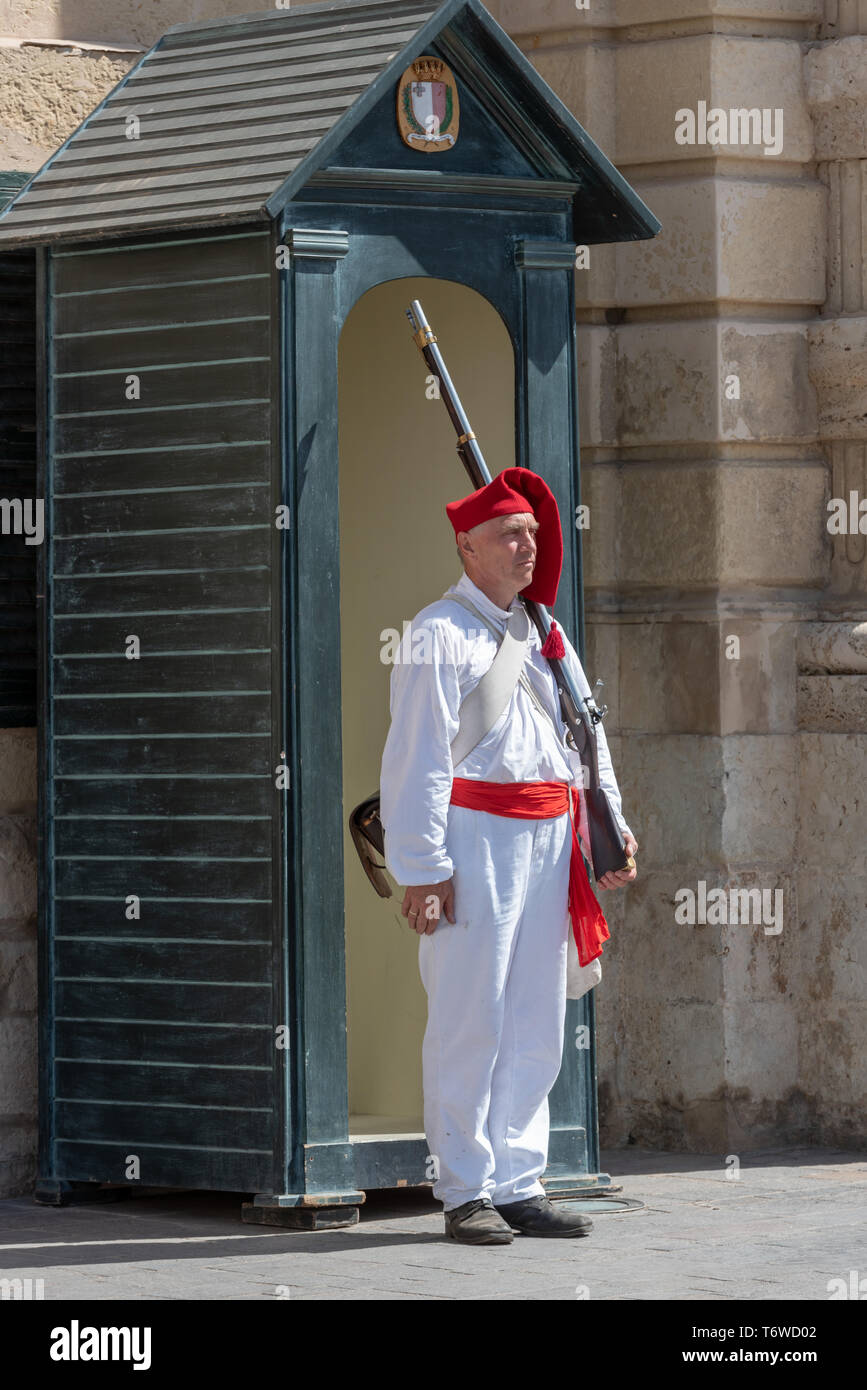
488,892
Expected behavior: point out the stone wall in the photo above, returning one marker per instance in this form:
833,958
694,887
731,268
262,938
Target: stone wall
723,404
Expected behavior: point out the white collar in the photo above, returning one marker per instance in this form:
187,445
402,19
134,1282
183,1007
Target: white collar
466,586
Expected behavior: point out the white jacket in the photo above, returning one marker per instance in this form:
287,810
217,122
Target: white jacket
453,652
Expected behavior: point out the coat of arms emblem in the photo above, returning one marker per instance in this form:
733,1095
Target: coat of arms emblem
427,106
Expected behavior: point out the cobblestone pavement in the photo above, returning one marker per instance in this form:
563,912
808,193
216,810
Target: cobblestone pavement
792,1222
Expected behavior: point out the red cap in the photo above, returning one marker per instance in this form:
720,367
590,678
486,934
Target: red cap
519,490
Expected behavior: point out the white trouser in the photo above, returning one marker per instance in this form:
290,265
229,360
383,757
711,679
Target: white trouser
496,986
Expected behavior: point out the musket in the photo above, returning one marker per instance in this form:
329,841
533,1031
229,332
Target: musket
580,714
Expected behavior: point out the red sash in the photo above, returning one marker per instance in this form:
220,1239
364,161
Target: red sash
542,801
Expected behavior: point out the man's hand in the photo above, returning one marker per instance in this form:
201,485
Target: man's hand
621,876
424,905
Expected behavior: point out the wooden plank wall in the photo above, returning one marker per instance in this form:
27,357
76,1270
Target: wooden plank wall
162,768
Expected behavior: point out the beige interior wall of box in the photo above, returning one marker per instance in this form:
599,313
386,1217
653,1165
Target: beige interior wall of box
398,469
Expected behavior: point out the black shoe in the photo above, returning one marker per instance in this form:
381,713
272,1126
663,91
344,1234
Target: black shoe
477,1223
537,1216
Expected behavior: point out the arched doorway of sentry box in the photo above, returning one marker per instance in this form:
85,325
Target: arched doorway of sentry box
398,468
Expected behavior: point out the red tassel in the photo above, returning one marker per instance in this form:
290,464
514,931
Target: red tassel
589,926
553,644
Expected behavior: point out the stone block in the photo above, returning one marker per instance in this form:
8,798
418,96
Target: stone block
18,787
661,11
761,1048
831,803
765,389
669,677
762,966
667,383
772,525
680,264
753,692
661,1084
668,525
834,704
772,238
18,1064
529,23
18,858
848,564
596,279
18,1142
17,974
837,365
727,72
695,381
762,799
832,647
694,527
726,239
674,788
836,93
758,685
602,662
832,910
597,377
833,1068
666,959
601,492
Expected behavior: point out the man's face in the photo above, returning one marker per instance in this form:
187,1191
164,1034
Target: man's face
502,551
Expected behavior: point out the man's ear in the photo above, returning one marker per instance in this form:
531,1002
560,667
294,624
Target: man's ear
465,545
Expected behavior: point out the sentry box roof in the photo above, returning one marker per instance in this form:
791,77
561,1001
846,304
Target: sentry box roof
225,121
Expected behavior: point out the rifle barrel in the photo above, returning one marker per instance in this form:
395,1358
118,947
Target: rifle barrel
471,455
